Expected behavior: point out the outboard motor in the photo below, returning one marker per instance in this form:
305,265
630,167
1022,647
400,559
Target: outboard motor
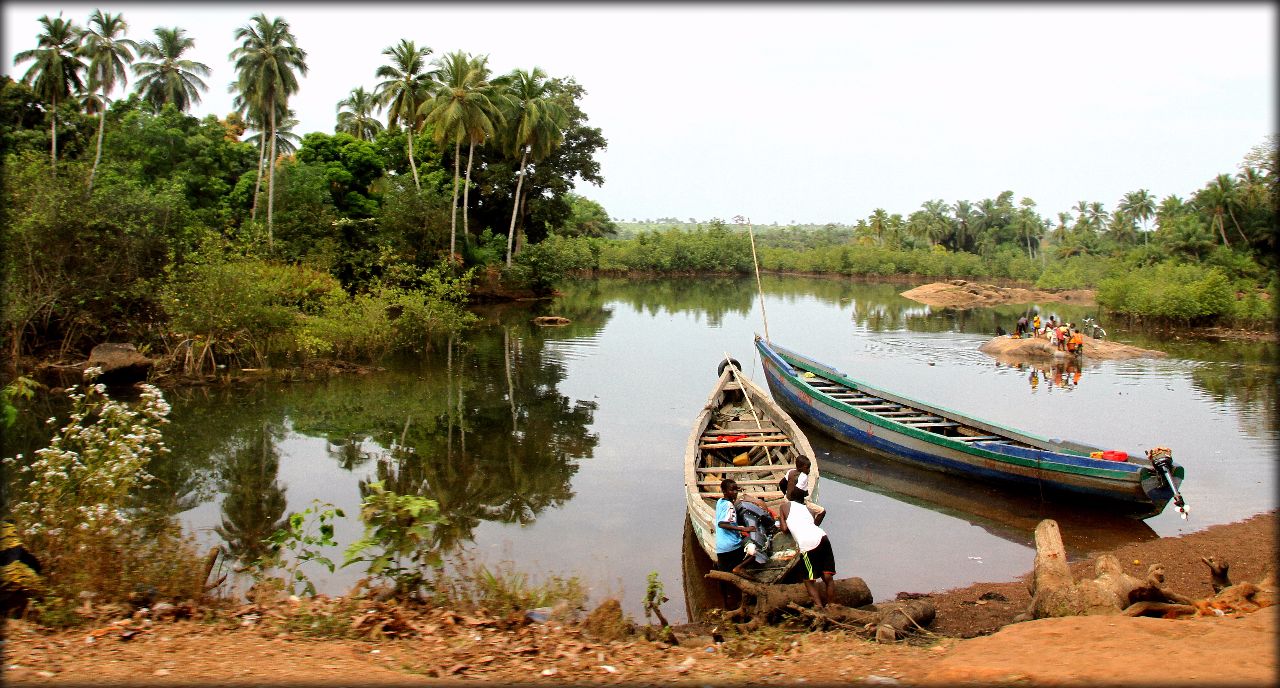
1162,461
761,539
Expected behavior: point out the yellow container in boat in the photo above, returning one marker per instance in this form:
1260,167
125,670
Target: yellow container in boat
1095,455
741,459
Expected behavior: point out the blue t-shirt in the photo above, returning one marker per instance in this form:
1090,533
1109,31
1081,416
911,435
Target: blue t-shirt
726,540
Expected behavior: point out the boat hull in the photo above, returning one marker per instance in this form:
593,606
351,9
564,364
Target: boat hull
705,466
1058,468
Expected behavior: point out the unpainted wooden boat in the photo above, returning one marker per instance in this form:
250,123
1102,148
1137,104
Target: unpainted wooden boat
933,437
741,433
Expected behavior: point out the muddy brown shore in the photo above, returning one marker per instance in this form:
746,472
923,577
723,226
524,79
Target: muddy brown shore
972,641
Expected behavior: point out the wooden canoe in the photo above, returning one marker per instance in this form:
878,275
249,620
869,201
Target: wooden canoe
740,419
907,430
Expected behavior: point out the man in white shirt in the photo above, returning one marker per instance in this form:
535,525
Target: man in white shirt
816,555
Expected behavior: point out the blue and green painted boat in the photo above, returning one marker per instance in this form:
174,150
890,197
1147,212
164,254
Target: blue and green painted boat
914,432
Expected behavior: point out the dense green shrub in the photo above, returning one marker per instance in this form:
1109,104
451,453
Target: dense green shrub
1188,294
1075,272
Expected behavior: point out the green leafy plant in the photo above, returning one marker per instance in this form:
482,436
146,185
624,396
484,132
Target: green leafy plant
22,387
298,544
653,599
397,542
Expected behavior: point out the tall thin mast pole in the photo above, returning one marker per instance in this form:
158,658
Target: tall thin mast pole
759,287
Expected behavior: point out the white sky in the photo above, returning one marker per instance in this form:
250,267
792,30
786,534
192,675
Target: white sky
815,113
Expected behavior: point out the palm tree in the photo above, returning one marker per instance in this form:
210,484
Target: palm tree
405,88
56,71
1121,228
247,104
535,129
877,221
266,62
1029,220
109,54
357,119
1141,206
1170,208
937,221
286,142
1098,215
171,79
1220,196
463,108
963,226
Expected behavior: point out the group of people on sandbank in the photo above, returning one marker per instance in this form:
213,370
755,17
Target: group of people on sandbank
1064,336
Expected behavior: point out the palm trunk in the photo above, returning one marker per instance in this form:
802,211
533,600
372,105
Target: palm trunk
453,218
466,188
1236,224
1222,228
515,205
413,165
521,237
271,181
102,120
257,186
53,142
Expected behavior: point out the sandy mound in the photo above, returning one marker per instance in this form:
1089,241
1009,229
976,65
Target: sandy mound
960,293
1011,350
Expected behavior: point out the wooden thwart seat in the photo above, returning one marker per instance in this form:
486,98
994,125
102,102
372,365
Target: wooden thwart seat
763,494
765,430
782,442
745,469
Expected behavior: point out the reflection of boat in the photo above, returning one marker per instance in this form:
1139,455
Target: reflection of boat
1008,516
700,593
940,439
742,434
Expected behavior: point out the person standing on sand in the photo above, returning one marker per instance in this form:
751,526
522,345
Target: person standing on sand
1022,326
1035,325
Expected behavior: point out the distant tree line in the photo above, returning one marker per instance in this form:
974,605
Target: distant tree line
1209,258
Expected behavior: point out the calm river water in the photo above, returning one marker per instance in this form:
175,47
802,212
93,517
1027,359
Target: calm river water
558,450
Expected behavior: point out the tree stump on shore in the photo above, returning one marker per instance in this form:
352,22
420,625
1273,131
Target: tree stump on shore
1110,591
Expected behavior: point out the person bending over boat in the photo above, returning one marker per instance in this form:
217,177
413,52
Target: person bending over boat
815,551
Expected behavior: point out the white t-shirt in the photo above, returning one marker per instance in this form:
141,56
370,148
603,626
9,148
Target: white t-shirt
802,479
803,529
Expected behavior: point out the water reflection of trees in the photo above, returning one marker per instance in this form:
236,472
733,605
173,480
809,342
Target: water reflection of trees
713,297
254,505
1251,388
206,427
481,427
